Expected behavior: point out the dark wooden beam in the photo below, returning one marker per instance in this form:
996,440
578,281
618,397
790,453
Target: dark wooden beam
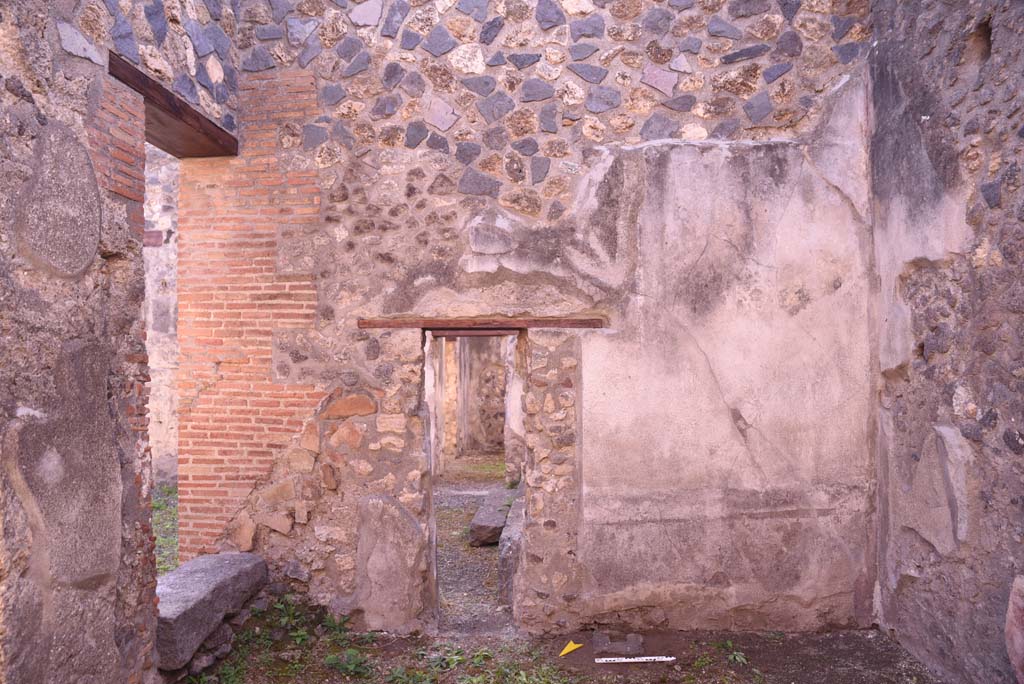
172,124
483,323
488,332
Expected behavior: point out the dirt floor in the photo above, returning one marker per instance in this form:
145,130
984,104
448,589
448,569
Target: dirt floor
165,527
467,576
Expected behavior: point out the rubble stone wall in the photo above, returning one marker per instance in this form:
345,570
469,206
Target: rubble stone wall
949,235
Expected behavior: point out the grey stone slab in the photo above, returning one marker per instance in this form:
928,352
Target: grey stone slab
539,167
333,93
847,52
739,9
186,88
489,520
581,51
790,44
438,142
74,43
490,30
681,4
313,136
522,60
385,106
495,138
720,28
548,117
509,549
299,29
526,146
195,598
397,12
124,39
474,8
415,133
269,32
481,85
359,64
591,73
497,59
392,76
495,106
157,20
841,26
658,127
473,182
440,114
750,52
222,45
549,14
691,44
467,152
439,42
366,13
310,51
777,71
215,8
197,34
758,107
349,47
259,59
789,8
279,9
591,27
659,79
681,103
414,84
602,98
536,90
657,21
410,39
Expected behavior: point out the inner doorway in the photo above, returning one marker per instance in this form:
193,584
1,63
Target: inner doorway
477,459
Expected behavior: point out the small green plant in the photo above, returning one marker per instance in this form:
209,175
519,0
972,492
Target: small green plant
446,659
299,636
232,673
366,638
289,615
702,661
737,658
480,658
401,675
350,662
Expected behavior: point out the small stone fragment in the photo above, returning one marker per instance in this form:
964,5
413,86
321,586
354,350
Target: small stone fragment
474,8
681,103
549,14
475,183
758,107
777,71
440,114
413,84
415,133
591,73
495,106
359,64
746,53
602,98
789,8
467,152
536,90
539,167
549,118
658,127
747,8
659,79
497,59
526,147
299,29
720,28
847,52
258,60
523,60
439,42
311,51
74,43
394,18
591,27
366,13
490,30
581,51
481,85
410,39
349,47
495,138
657,21
790,44
691,44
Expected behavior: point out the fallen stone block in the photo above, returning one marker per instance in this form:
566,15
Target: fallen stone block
195,599
632,646
509,546
489,520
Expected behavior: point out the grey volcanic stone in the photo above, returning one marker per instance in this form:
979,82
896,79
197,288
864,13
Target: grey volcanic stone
490,30
359,64
681,103
549,117
657,21
549,14
602,98
495,138
536,90
279,9
632,646
195,598
591,73
415,133
539,167
789,8
509,547
58,212
333,93
436,141
124,39
311,50
221,43
366,13
386,106
300,29
475,183
157,20
186,87
591,27
439,42
495,106
489,520
414,84
658,127
202,45
681,4
758,107
215,9
497,59
526,146
777,71
690,44
790,44
410,39
467,152
524,59
74,43
313,136
847,52
258,60
392,75
269,32
393,19
349,47
746,53
841,26
474,8
748,8
581,51
722,29
481,85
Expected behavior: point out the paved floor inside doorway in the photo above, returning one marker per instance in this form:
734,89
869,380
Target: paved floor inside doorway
467,576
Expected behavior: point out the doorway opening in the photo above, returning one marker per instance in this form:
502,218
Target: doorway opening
477,450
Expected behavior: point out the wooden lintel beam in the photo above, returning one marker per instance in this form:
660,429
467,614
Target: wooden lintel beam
480,332
483,323
172,124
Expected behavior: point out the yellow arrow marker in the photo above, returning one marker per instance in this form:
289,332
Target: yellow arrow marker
569,648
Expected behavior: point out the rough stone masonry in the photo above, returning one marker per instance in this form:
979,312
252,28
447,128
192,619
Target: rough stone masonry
802,220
